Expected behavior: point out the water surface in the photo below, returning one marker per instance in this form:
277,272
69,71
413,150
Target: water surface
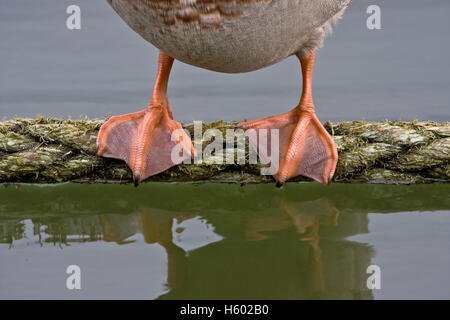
399,72
211,241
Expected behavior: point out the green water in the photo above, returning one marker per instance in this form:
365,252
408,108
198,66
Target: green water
218,241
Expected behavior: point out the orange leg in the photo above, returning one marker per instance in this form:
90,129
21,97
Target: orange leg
305,147
145,139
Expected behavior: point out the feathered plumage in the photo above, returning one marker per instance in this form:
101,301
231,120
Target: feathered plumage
232,35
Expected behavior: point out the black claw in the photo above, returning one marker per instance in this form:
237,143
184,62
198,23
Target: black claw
330,178
136,179
279,184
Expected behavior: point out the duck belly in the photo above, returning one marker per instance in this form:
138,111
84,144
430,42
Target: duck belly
230,36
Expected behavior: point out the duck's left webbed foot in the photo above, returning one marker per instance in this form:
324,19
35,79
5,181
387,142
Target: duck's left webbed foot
305,147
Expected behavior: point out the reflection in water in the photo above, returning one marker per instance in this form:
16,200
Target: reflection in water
306,217
156,227
252,242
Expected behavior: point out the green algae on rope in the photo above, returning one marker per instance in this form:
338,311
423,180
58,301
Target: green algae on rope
54,150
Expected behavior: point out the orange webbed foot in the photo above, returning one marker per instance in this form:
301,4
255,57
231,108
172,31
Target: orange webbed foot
305,147
145,140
